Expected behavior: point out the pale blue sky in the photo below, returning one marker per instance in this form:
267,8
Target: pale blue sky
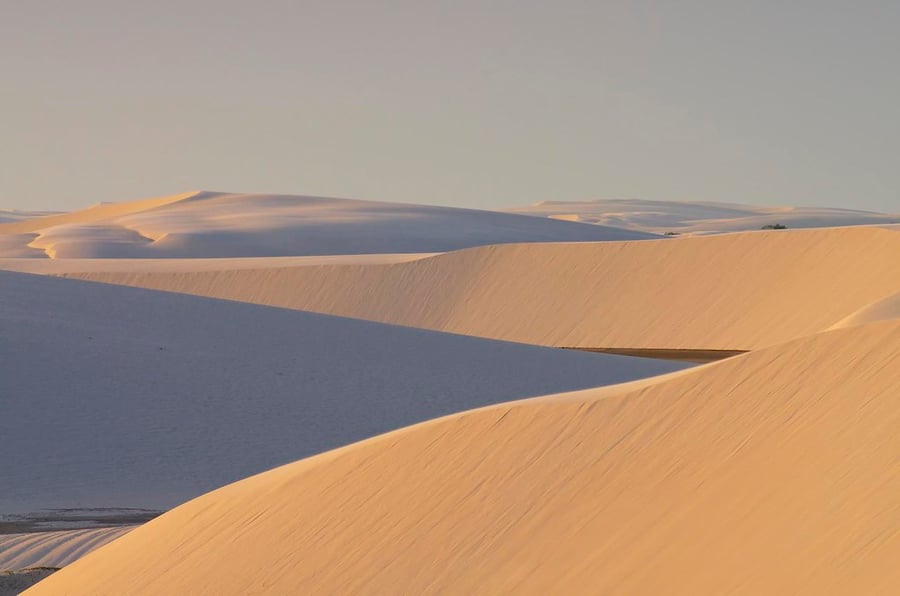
475,104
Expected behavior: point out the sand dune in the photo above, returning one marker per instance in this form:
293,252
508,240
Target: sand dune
772,472
731,292
687,217
120,397
208,224
53,549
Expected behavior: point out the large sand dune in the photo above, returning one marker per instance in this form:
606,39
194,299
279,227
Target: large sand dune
731,292
692,217
121,397
208,224
772,472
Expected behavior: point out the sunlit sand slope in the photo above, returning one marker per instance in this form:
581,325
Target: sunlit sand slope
769,473
122,397
732,292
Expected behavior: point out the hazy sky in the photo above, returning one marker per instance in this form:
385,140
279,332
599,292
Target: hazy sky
466,103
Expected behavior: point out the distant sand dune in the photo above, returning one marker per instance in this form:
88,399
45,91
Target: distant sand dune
694,217
768,473
731,292
99,212
210,224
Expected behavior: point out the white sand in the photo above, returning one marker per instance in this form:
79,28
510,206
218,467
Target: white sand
772,472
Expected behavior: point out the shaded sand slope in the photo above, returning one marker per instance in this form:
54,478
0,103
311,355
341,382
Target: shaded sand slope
53,549
209,224
122,397
772,472
732,292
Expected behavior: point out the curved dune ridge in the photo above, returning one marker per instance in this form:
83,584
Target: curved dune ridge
53,549
209,224
123,397
693,217
733,292
772,472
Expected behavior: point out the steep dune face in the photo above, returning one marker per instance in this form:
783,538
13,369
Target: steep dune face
773,472
732,292
121,397
206,224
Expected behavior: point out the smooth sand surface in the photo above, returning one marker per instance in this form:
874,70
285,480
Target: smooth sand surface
693,217
768,473
123,397
211,224
732,292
